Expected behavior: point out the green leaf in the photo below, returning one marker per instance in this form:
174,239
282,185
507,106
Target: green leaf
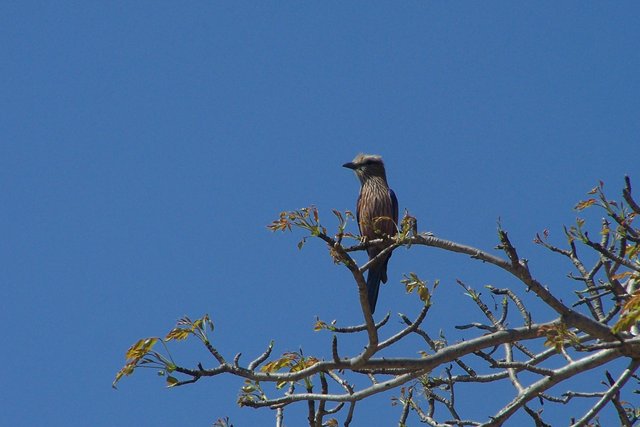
302,242
583,204
178,334
140,348
630,315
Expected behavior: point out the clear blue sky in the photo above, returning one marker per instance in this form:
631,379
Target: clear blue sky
144,146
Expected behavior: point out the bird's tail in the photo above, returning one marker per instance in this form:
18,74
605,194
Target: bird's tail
373,285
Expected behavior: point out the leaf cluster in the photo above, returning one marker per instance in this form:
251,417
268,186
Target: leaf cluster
142,354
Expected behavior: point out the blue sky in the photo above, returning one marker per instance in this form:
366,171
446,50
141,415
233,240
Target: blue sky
146,145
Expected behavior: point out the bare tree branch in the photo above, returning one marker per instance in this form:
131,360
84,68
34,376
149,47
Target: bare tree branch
532,357
613,390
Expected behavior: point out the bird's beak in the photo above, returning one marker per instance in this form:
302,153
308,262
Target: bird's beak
350,165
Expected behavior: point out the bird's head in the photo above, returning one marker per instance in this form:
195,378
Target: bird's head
366,166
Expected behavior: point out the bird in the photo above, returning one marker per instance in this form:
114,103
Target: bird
376,213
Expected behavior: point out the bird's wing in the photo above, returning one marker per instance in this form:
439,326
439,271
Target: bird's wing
358,213
394,206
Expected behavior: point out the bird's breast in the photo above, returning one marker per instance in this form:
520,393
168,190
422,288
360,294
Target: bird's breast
375,211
